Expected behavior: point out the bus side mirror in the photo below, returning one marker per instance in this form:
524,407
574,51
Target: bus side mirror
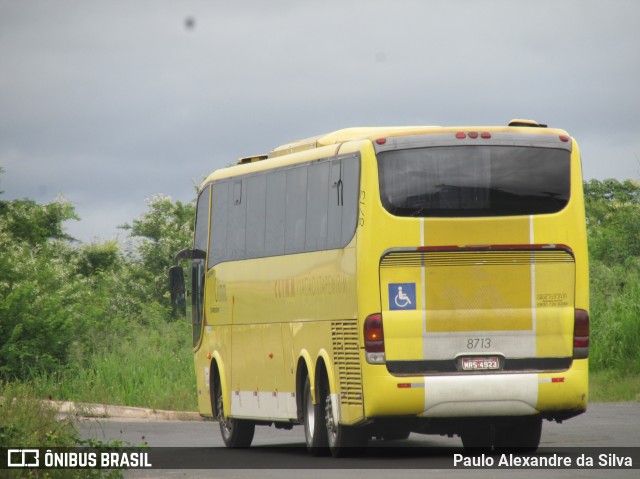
176,285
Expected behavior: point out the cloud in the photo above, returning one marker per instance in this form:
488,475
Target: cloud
111,102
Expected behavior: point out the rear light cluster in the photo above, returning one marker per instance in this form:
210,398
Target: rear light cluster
581,334
461,135
473,135
374,339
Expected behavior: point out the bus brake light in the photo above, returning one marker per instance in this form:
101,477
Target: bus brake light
581,334
374,339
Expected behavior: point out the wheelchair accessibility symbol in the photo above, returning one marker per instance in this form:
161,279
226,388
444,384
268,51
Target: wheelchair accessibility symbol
402,296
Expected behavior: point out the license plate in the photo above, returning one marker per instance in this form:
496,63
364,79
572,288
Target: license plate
480,364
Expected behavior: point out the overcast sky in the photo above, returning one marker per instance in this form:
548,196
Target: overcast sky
111,102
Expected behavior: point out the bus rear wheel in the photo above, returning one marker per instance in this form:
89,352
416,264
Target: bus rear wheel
343,440
478,437
519,434
315,433
235,432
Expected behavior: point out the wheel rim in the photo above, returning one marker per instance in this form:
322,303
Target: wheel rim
226,424
311,420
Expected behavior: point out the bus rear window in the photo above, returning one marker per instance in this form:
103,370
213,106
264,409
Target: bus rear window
468,181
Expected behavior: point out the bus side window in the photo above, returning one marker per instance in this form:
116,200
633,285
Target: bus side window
276,206
317,206
197,264
350,193
334,216
296,210
343,201
202,221
219,212
236,223
256,198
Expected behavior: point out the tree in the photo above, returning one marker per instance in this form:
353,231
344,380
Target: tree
613,219
160,233
35,288
27,221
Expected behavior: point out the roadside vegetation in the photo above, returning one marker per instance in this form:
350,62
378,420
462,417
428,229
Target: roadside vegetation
613,226
26,420
93,322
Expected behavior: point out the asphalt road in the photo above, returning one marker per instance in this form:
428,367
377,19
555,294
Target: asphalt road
281,454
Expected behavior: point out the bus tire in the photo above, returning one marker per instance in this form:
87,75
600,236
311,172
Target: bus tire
343,440
478,437
519,434
235,432
315,433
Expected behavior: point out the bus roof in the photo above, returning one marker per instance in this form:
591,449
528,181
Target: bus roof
348,134
372,133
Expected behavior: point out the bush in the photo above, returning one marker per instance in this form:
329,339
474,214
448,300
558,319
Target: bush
26,421
59,300
615,313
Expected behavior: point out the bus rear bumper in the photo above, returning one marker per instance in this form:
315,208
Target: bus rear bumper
555,395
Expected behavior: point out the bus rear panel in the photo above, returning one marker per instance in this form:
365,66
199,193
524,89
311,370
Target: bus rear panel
482,296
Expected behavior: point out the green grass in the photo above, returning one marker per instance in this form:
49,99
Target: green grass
150,367
613,386
615,316
26,421
614,354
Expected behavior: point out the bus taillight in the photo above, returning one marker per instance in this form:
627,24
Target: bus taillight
581,334
374,339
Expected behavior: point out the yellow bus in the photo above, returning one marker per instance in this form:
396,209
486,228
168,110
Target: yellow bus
373,282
